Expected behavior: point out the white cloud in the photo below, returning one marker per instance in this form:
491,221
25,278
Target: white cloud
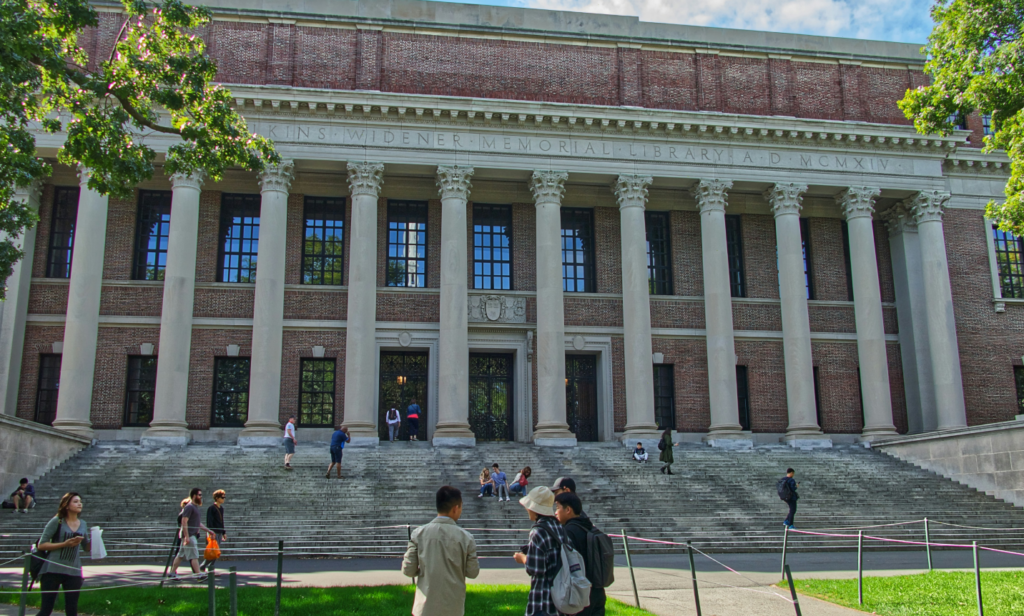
890,20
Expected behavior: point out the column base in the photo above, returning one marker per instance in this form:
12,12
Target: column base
453,441
74,426
729,439
166,434
363,442
807,438
453,434
553,435
869,435
647,435
260,433
258,441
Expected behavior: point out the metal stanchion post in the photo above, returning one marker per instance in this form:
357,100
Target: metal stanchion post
860,567
280,569
693,574
24,585
408,530
785,541
211,585
928,544
792,590
170,557
629,563
233,589
977,578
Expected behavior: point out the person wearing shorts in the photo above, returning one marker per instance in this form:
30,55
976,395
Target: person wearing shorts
189,534
338,440
289,443
412,414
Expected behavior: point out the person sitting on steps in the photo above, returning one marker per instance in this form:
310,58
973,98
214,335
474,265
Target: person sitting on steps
486,484
500,482
640,454
518,485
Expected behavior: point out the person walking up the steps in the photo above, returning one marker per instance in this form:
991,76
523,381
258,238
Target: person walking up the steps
486,484
63,566
500,482
787,492
666,456
215,522
394,420
412,414
289,442
542,554
441,556
522,480
189,534
338,440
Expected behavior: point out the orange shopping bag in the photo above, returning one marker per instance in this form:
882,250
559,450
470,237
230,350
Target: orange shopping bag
212,552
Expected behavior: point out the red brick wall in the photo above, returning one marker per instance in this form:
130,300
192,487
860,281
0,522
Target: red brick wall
619,384
327,58
208,344
298,345
524,242
687,255
140,301
839,395
227,303
756,316
760,263
315,304
607,250
583,311
48,298
408,306
113,346
686,314
38,340
293,240
208,241
828,264
689,362
120,241
766,379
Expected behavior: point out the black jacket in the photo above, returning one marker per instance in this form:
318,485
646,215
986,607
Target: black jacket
576,530
215,518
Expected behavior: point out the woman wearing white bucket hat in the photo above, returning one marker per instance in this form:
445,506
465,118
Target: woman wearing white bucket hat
541,554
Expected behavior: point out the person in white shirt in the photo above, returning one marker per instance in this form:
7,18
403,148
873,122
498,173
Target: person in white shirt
394,419
289,442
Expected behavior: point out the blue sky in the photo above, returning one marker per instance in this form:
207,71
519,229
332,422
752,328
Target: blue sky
905,21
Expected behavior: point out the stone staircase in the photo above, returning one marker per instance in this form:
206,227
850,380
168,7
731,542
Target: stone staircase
724,501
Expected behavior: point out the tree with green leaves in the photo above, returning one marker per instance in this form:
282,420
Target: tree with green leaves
156,83
973,55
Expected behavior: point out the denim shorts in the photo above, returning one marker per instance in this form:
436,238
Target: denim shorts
289,445
336,453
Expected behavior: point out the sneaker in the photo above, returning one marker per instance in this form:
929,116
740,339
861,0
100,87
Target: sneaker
173,578
201,578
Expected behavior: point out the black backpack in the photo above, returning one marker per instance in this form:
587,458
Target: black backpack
785,492
35,567
600,558
661,445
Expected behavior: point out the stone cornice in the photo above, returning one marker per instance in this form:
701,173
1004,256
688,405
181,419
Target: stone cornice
365,178
785,198
451,113
548,186
972,161
453,181
711,195
858,201
631,190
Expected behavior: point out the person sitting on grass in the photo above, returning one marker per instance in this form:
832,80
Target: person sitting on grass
441,556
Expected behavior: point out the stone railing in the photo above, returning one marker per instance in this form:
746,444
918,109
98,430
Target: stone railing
28,449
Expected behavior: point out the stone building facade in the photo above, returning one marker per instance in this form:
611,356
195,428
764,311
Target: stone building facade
542,226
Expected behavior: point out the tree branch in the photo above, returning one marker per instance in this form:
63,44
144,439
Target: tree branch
80,79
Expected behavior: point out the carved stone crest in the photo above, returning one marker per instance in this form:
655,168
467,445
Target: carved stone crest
497,309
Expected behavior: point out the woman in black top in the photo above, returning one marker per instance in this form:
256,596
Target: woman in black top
215,522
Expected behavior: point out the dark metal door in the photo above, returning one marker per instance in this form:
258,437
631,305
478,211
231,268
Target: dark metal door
490,397
664,397
581,396
403,378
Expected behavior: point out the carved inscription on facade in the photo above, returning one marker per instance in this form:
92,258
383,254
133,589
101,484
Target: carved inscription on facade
497,309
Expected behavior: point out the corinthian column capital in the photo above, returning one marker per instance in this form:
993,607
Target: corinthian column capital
785,198
711,195
365,178
278,178
631,190
898,219
453,181
548,186
189,180
858,201
927,205
29,194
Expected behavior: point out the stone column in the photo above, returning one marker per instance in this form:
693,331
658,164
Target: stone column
264,424
908,279
364,180
803,430
725,430
169,425
452,429
858,205
81,326
927,208
631,193
552,429
14,309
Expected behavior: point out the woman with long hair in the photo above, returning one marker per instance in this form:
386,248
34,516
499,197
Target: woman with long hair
486,483
519,484
666,456
63,566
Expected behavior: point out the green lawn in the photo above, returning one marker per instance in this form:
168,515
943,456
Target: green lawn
481,600
939,593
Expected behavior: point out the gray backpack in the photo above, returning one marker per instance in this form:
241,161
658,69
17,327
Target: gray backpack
570,591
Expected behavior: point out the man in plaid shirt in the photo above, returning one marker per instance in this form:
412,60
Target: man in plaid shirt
541,555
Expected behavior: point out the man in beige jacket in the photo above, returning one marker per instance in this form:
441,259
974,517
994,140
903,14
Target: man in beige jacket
442,556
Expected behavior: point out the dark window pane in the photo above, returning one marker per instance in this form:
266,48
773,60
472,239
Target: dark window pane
492,241
986,124
805,244
578,251
846,257
141,389
734,244
1018,375
664,397
316,392
659,253
1010,260
62,232
47,388
230,391
323,241
817,396
407,244
239,237
743,396
152,234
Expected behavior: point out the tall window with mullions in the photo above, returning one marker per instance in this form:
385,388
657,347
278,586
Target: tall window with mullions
47,388
316,392
323,241
407,244
578,251
239,237
492,247
1010,260
664,397
659,253
805,242
62,232
230,391
152,234
141,389
734,244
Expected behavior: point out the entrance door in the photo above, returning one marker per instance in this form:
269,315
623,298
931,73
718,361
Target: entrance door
664,397
581,395
490,397
403,378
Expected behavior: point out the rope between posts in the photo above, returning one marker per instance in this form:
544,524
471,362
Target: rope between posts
908,542
972,527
